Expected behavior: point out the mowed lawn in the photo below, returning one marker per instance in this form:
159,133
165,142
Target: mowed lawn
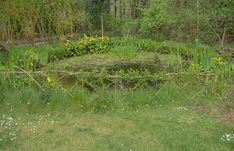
163,128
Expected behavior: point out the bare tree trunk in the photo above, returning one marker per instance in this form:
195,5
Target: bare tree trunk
102,25
112,7
128,10
118,8
224,36
198,22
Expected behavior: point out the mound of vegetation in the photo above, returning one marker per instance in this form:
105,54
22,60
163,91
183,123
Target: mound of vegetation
111,63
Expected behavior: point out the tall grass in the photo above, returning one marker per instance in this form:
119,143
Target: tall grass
33,19
192,91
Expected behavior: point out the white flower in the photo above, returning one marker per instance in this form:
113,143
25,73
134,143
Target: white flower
227,137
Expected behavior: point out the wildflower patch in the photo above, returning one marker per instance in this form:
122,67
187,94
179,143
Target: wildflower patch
88,45
218,61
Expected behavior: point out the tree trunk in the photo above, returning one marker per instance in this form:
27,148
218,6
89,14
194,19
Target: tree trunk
224,35
102,25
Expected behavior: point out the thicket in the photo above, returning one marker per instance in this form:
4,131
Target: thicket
34,19
208,21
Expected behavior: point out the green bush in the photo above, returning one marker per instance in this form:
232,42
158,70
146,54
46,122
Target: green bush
88,45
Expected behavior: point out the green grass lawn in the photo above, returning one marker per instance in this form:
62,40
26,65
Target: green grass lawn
178,118
166,127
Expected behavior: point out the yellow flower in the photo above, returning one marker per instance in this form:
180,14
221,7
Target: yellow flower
66,43
221,63
195,65
216,59
49,80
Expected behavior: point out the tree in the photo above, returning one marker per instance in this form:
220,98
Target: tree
155,17
220,18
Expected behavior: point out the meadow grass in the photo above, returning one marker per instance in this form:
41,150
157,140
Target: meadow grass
175,117
190,109
165,127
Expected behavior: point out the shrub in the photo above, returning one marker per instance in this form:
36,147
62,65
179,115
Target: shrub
88,45
155,17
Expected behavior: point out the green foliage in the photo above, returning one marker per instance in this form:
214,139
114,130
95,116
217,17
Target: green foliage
165,48
96,9
26,60
129,27
145,46
88,45
155,17
204,21
217,19
170,48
